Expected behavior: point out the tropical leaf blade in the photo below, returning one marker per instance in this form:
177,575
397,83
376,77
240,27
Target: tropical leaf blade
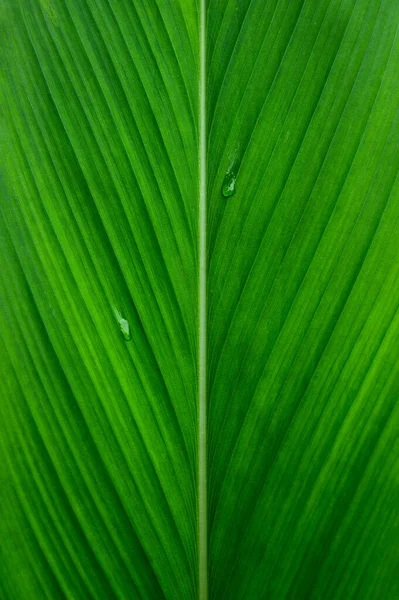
102,287
304,299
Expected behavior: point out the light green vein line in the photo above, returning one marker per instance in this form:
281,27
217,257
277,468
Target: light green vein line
202,409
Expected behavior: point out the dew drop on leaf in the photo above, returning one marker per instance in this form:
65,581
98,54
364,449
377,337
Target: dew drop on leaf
229,181
123,324
229,184
125,329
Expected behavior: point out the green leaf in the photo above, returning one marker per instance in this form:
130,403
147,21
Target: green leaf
199,299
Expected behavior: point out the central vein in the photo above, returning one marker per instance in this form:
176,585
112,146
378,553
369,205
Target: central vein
202,392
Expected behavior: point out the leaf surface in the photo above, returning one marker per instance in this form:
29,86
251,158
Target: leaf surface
102,286
303,308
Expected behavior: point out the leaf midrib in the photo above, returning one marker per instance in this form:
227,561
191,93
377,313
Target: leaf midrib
202,351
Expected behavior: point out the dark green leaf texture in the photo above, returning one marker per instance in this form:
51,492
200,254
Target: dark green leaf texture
100,242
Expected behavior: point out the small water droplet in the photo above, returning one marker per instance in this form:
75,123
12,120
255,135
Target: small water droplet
229,184
123,324
125,329
229,181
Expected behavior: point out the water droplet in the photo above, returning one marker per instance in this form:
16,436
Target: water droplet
229,181
125,329
123,324
229,184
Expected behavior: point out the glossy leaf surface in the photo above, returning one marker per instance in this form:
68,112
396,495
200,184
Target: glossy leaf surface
100,298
